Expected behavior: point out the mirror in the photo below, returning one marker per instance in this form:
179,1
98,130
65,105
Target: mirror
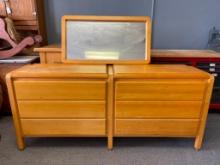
105,40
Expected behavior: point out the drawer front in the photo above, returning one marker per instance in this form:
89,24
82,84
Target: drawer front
160,90
60,90
154,127
158,109
63,127
61,109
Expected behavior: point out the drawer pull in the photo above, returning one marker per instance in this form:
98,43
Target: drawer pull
212,69
212,64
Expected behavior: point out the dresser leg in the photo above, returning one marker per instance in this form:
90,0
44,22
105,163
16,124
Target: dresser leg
20,143
198,143
110,143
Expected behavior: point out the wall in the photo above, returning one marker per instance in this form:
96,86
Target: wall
178,24
55,9
185,24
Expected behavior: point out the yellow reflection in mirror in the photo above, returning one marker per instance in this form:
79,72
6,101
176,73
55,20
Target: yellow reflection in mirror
102,55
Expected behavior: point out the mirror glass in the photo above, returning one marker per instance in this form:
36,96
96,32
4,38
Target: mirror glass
105,40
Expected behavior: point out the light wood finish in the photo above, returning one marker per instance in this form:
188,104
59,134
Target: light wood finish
49,54
62,90
143,19
61,71
63,127
156,127
52,53
204,114
158,71
113,100
161,100
50,57
110,103
15,113
161,90
58,100
158,109
62,109
185,53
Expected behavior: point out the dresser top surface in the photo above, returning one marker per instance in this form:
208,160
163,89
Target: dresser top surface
61,70
155,53
158,71
160,53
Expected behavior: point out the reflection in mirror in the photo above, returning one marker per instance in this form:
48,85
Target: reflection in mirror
105,40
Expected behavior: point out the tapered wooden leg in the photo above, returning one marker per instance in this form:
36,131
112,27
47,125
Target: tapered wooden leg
110,143
20,143
198,143
15,114
201,129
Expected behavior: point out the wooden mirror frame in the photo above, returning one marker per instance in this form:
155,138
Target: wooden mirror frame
144,19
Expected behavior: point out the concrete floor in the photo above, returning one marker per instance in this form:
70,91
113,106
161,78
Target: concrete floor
127,151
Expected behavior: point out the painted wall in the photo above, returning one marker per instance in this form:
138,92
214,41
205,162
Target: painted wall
55,9
185,23
177,23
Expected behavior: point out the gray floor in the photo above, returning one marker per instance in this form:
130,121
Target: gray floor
92,151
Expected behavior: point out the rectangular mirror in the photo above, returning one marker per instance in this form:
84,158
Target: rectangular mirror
101,39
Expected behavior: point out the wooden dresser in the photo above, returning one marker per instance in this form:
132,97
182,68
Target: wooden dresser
206,60
161,101
103,90
56,100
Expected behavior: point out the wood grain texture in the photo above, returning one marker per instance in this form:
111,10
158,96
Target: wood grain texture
60,90
184,53
156,127
61,71
62,109
15,113
159,71
46,103
155,53
49,58
158,109
49,48
63,127
19,11
160,90
204,113
110,107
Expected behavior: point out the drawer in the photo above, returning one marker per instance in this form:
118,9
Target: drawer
60,90
160,90
61,109
208,64
63,127
158,109
156,127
